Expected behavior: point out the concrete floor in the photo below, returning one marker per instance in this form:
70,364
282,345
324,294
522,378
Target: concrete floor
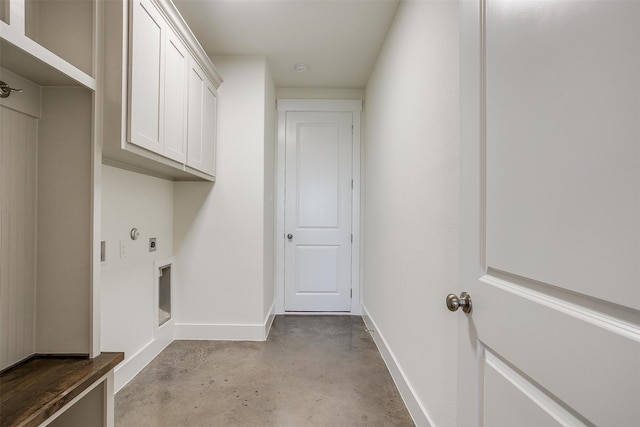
312,371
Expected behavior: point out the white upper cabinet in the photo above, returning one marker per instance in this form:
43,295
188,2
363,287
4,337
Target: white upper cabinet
176,69
202,121
158,75
145,74
160,110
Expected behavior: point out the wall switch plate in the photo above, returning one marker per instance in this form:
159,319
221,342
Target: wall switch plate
152,244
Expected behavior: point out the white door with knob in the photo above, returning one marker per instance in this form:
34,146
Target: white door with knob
318,211
550,148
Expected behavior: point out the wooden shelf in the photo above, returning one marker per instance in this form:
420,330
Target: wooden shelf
34,390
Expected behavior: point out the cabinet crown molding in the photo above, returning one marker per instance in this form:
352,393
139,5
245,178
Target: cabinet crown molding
178,24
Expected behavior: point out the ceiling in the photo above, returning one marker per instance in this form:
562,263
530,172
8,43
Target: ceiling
339,40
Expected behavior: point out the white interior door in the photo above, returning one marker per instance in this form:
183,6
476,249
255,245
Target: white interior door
551,213
318,195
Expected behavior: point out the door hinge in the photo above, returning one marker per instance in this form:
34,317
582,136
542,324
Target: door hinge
352,238
351,292
352,184
351,129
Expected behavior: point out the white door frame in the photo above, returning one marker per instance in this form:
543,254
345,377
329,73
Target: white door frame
318,105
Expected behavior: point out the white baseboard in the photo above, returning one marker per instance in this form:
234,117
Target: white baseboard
269,321
136,363
225,332
415,407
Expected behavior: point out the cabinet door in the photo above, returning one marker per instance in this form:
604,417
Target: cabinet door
145,79
176,68
202,121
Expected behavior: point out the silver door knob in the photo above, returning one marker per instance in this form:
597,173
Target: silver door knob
289,236
454,303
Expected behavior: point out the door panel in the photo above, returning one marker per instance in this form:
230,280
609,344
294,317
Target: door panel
562,129
317,269
551,236
318,160
527,406
318,199
579,356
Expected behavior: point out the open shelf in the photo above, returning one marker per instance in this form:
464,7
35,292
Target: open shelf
15,59
65,28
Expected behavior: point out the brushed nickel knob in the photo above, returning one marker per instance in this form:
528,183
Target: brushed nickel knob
454,303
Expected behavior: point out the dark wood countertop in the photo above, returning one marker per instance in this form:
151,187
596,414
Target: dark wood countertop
32,391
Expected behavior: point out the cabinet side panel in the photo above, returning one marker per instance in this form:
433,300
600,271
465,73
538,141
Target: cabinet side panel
209,126
64,221
194,133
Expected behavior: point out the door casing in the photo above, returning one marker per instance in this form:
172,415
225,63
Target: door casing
318,105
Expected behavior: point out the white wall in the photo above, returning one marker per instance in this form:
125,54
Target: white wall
221,236
269,192
411,205
127,312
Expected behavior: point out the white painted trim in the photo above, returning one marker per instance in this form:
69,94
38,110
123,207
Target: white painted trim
221,332
318,313
225,332
109,401
328,105
279,240
416,409
180,27
269,320
128,369
107,379
333,105
96,187
166,330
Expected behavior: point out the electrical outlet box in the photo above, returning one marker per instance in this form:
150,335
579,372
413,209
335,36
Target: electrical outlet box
152,244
